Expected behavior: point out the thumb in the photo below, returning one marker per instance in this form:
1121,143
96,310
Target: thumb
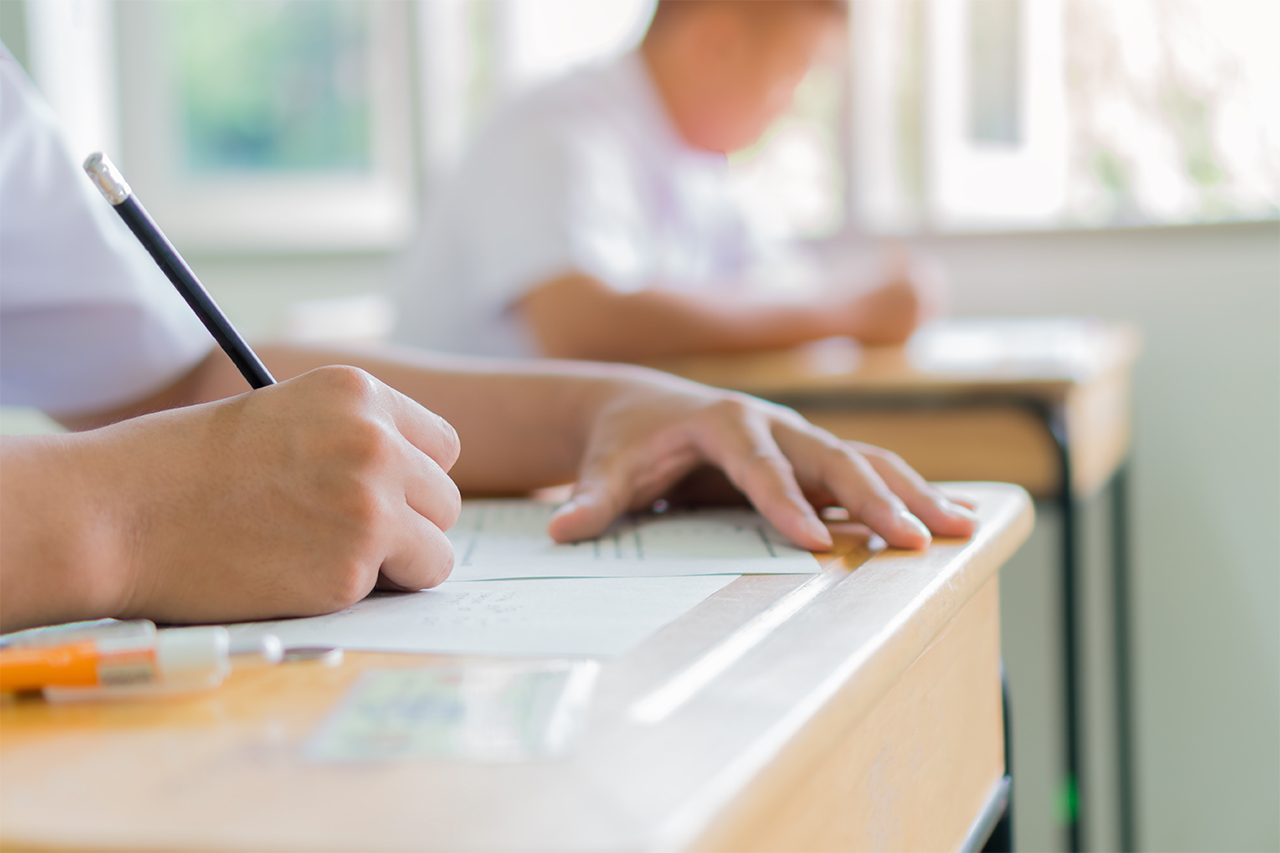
597,499
583,516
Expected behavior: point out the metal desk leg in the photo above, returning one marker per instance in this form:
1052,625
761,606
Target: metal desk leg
1001,838
1072,706
1123,657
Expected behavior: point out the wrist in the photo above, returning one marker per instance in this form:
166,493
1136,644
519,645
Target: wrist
63,548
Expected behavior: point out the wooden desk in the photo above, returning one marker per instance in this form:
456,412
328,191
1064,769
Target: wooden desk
858,708
1041,403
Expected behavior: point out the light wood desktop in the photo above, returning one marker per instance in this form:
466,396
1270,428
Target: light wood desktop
953,403
1044,403
855,709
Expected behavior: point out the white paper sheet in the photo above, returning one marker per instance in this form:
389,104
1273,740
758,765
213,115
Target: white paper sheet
500,539
596,617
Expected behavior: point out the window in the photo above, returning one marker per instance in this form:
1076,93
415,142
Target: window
291,124
973,114
274,125
477,53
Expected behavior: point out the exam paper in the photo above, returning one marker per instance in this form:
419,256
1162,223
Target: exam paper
593,617
513,591
497,539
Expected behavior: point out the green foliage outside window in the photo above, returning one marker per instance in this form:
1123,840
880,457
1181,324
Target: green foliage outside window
278,85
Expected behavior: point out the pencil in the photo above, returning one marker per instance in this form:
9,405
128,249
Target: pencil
113,187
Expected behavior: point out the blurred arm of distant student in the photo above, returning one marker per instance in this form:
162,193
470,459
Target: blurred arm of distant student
577,316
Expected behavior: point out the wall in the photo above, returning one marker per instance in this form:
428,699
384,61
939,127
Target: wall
1206,508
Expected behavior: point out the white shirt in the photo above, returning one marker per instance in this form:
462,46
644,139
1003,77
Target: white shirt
87,321
586,175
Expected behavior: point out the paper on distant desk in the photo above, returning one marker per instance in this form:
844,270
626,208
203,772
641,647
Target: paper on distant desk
497,539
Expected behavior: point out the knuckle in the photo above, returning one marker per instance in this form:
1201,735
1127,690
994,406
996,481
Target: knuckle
365,443
837,457
726,410
890,457
769,461
350,582
766,465
346,384
362,509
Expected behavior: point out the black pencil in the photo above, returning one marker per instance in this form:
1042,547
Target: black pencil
115,190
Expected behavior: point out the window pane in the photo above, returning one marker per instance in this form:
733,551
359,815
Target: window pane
994,72
276,85
1173,110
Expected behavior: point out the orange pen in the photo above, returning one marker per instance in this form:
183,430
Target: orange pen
79,664
189,657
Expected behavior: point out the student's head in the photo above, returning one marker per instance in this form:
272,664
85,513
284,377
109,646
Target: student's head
727,68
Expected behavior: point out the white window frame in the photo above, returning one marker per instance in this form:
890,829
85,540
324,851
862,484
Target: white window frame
966,185
974,185
264,212
71,46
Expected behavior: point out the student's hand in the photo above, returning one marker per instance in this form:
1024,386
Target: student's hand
652,437
909,293
289,500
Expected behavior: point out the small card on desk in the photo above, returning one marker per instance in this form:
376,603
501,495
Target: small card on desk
491,711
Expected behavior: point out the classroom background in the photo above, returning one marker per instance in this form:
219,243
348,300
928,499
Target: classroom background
1118,160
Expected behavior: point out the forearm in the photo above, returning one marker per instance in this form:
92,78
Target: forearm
523,424
577,317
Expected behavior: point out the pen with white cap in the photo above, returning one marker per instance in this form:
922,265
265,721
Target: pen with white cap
113,187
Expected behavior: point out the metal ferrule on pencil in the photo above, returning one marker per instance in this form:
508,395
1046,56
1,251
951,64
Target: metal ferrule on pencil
107,177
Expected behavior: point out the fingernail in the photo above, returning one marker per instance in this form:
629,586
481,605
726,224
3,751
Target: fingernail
915,524
565,508
956,509
819,531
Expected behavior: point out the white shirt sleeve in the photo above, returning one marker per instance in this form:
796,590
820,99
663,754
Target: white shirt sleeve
87,321
552,199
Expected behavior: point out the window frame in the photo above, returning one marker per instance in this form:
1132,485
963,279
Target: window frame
262,211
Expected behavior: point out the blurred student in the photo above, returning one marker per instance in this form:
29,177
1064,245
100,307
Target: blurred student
593,219
184,499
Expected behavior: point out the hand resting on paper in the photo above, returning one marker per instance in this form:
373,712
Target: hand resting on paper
653,438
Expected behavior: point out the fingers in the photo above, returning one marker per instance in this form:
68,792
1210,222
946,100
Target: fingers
399,452
428,490
606,488
941,515
742,445
772,456
855,485
424,429
352,392
586,514
419,555
875,486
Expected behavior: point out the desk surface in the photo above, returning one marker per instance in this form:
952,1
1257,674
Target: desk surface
956,402
755,665
1044,357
